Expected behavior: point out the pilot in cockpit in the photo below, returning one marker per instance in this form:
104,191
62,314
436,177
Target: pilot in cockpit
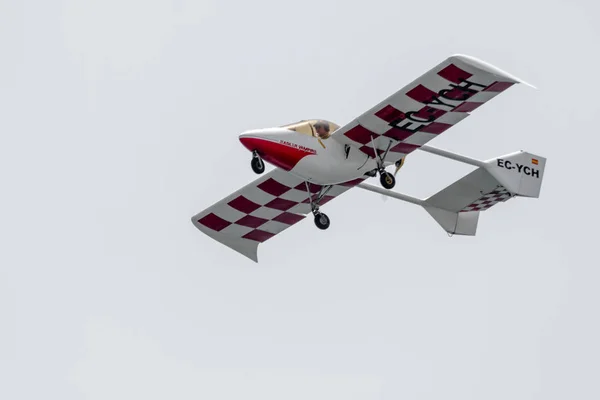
322,129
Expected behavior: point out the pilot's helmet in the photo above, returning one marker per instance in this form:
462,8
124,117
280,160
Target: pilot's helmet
323,124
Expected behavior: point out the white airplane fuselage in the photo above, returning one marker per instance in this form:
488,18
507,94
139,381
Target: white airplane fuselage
323,162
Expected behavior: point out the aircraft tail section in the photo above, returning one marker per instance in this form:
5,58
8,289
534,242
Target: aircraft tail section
456,208
520,172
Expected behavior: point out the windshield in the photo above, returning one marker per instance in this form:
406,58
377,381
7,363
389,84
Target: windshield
314,127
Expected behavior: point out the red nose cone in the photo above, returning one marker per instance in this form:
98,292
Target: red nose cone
282,155
251,143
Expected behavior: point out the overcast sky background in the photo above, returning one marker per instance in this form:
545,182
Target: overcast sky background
119,121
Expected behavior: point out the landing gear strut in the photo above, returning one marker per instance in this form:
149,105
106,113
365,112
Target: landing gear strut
321,220
258,165
388,181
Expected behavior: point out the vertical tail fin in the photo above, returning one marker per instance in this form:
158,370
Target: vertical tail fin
520,172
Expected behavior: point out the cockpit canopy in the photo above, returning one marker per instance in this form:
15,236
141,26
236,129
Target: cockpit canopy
313,127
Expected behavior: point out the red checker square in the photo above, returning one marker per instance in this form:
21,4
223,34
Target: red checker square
405,148
421,94
467,106
258,236
390,113
281,204
251,221
244,205
498,86
361,134
214,222
288,218
368,150
398,133
273,187
435,128
314,188
326,199
454,74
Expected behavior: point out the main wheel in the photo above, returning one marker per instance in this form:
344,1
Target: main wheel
387,180
258,165
321,221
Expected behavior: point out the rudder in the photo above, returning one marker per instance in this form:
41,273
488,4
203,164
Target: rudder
521,173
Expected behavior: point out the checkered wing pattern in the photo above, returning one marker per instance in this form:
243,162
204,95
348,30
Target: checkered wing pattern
261,210
489,199
425,108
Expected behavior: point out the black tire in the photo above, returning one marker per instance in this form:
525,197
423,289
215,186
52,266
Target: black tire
258,165
387,180
322,221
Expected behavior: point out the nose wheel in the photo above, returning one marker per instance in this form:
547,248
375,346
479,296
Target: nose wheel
257,164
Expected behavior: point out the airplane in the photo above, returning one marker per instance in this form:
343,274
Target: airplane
316,160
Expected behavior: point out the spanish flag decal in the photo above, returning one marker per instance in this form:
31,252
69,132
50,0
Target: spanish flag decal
534,161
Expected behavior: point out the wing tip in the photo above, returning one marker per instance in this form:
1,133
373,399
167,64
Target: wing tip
485,66
245,247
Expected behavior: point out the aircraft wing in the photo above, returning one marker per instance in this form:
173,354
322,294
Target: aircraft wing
261,210
426,107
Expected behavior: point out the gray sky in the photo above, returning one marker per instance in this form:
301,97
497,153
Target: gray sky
120,121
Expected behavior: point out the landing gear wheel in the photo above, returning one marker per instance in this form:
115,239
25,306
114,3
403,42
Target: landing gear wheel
387,180
258,165
321,221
